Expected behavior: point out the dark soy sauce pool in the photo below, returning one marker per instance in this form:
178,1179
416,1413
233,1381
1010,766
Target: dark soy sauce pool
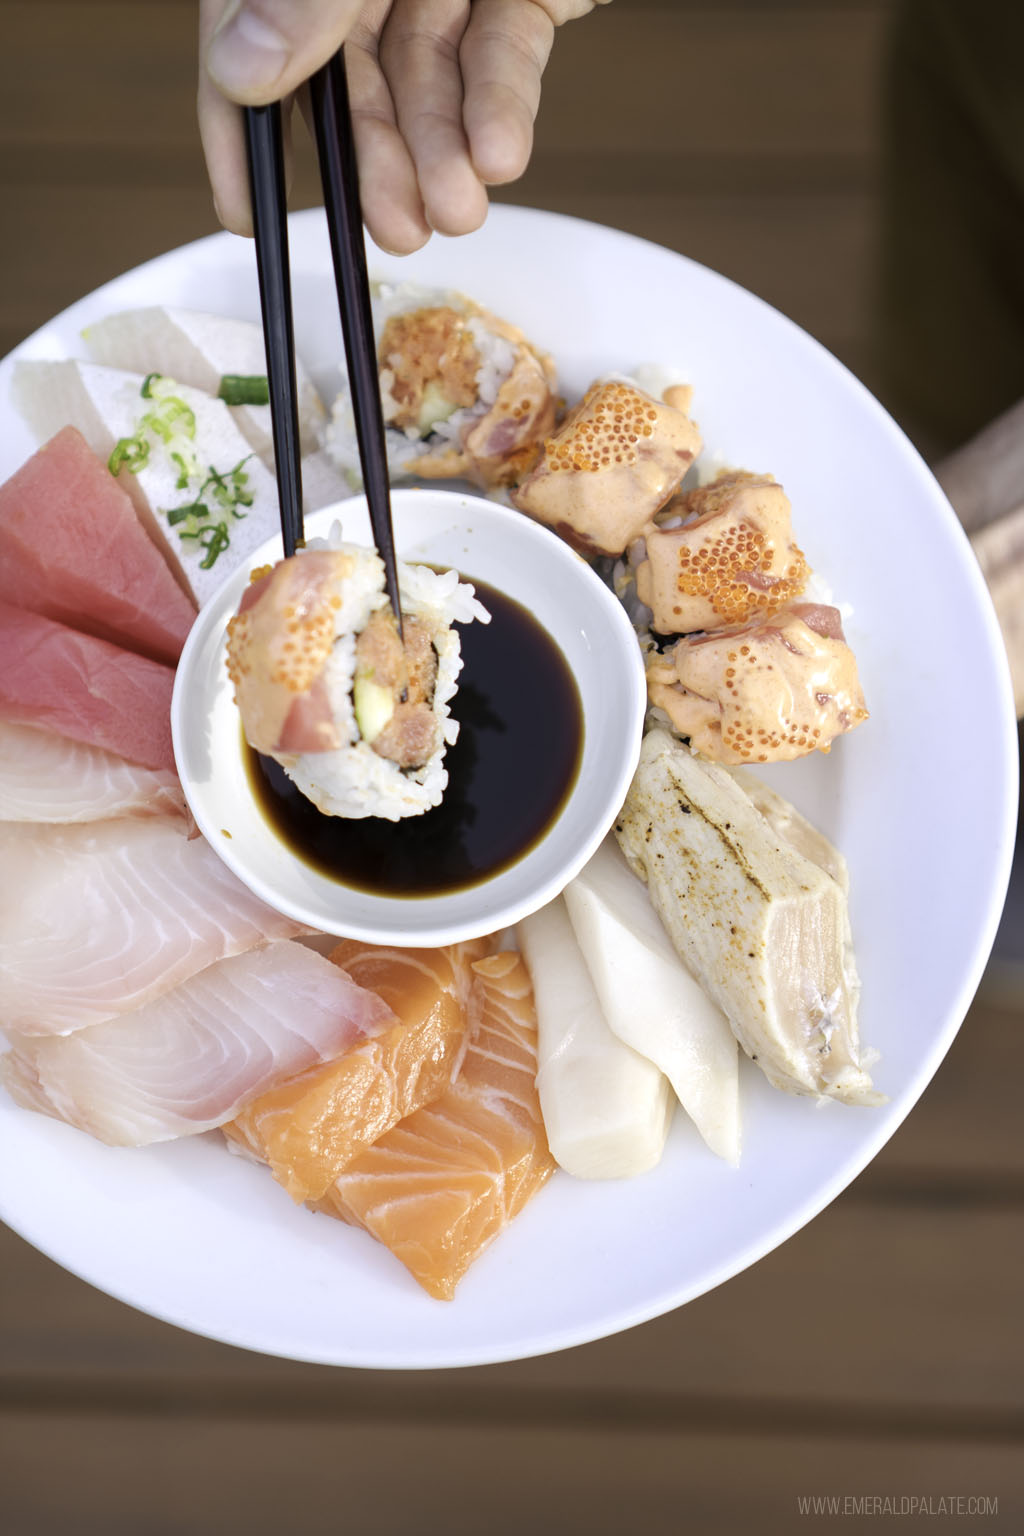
509,774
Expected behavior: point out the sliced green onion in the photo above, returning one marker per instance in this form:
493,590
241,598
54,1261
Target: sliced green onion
147,385
197,510
244,389
181,484
129,453
215,540
172,418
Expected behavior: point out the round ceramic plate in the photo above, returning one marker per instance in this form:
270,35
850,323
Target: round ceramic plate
921,799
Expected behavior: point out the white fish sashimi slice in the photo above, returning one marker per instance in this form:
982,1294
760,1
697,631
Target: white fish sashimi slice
97,920
190,1060
48,777
651,1000
606,1109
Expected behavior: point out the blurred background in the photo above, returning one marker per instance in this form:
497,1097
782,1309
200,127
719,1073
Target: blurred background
860,165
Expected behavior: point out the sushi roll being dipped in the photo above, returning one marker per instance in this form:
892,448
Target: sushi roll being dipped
465,396
357,716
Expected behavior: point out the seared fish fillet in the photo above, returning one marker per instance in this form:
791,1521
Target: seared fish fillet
763,926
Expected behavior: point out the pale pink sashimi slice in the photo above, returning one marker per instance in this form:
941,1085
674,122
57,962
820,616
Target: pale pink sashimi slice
72,548
440,1186
85,688
96,920
46,777
190,1060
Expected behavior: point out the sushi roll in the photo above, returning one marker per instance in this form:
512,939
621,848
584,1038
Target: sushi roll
358,717
465,396
616,459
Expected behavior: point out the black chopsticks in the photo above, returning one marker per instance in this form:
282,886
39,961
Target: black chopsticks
338,175
333,125
265,153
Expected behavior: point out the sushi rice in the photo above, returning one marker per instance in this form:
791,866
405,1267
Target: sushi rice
354,780
405,446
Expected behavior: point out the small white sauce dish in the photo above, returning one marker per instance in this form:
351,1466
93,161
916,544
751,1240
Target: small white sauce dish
487,543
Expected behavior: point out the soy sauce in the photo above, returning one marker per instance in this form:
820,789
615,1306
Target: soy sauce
510,772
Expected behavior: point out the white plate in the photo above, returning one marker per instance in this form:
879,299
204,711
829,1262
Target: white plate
921,799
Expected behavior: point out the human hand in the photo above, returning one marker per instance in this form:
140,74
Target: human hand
443,96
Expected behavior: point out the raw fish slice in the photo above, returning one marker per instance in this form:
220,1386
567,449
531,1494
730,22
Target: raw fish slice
311,1127
188,1061
46,777
199,349
84,688
108,407
72,548
97,920
439,1188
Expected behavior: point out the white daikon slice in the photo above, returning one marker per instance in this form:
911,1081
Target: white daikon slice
651,1000
199,350
606,1109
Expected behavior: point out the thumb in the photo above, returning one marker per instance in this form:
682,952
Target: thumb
261,50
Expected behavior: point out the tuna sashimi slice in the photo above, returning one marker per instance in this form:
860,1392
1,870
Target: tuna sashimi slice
97,920
189,1060
85,688
47,777
438,1188
311,1127
72,548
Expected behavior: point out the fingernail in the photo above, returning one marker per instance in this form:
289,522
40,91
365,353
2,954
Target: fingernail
246,53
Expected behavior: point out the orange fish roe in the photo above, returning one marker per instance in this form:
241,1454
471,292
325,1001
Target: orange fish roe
616,459
281,639
605,429
773,691
300,657
733,560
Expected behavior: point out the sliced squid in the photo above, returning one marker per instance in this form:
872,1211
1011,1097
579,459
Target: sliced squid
606,1108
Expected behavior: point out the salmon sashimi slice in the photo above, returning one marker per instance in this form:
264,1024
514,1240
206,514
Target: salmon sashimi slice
186,1062
309,1128
72,548
439,1187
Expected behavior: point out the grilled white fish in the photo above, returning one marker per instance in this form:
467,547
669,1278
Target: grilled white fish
763,927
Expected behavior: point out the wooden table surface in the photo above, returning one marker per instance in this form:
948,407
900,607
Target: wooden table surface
877,1355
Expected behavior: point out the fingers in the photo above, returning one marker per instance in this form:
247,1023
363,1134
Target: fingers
388,188
257,51
419,54
220,120
223,138
503,54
